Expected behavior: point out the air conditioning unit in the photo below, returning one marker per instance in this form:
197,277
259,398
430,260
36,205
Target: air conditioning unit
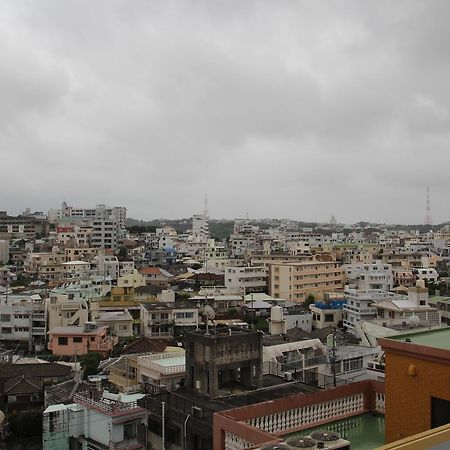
287,376
197,412
330,440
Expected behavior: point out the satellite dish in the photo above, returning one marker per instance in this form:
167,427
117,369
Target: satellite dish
208,312
414,321
2,416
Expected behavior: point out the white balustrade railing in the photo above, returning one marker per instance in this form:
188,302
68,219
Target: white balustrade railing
311,414
379,402
233,442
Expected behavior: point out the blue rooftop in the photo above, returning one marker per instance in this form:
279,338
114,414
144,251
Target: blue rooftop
331,304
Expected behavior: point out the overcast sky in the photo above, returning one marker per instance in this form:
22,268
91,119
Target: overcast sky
298,109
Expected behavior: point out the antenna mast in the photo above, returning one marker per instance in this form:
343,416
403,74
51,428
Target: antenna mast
206,212
428,219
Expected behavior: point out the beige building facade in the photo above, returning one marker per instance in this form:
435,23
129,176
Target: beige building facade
296,281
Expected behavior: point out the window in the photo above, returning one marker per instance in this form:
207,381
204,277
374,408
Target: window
353,364
5,318
6,330
329,318
77,339
63,340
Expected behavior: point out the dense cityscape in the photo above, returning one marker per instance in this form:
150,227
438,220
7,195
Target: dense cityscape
204,334
224,225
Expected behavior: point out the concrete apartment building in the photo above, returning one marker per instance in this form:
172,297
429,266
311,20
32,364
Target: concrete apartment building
23,319
22,227
246,279
295,281
104,230
375,275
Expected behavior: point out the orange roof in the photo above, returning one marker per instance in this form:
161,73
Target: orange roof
150,271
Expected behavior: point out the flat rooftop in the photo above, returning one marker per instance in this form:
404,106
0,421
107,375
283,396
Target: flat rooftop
439,338
365,432
168,362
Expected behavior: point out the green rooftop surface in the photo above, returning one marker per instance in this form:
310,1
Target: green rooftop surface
365,432
432,338
174,361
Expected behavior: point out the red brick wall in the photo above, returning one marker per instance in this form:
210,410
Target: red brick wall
408,398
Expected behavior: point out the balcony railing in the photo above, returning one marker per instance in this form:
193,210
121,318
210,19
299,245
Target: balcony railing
109,408
127,444
38,330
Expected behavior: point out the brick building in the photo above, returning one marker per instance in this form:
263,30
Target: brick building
416,382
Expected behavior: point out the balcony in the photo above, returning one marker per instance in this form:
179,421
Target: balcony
104,346
109,408
128,444
38,331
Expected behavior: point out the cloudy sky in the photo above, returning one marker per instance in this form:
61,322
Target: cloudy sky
298,109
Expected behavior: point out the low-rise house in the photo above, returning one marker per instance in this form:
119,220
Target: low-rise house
94,421
403,277
120,323
167,319
412,310
327,313
80,340
165,369
282,320
301,360
428,274
22,385
156,276
442,304
258,308
76,269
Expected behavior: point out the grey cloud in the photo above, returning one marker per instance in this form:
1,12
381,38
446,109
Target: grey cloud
290,109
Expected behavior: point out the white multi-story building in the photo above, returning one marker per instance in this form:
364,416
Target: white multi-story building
359,306
118,213
246,279
104,229
23,319
94,421
376,275
200,227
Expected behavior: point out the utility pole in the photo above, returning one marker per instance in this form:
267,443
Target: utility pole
163,431
331,342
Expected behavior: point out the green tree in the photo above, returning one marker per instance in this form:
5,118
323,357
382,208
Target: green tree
89,364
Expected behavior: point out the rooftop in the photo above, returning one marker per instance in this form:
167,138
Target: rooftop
75,330
439,339
365,432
